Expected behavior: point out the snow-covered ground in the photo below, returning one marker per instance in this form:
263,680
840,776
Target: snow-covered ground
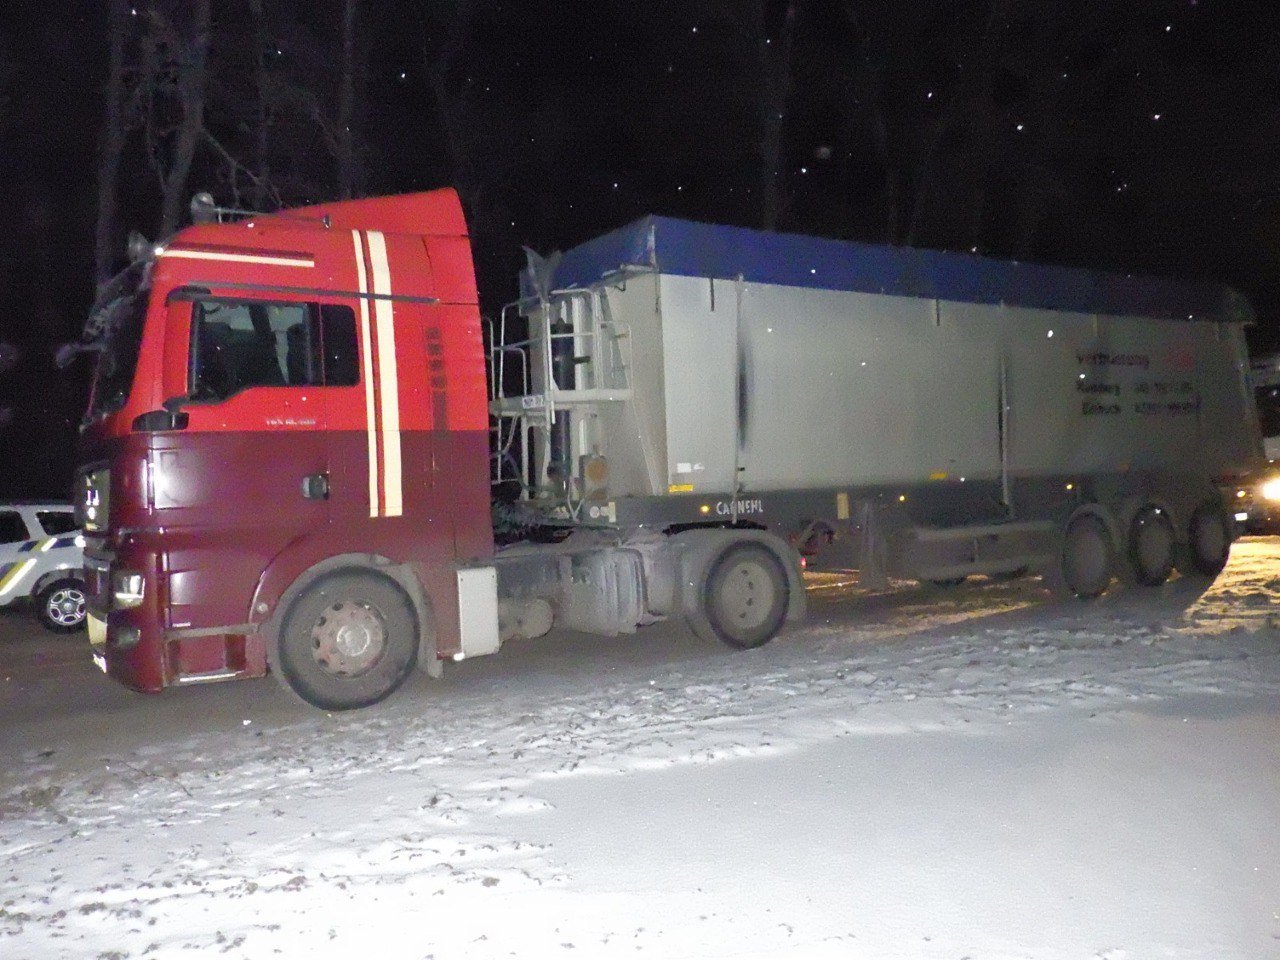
932,774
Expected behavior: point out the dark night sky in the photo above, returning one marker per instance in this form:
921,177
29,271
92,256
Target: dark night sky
1141,136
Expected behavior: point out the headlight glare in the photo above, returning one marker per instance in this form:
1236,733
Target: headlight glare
1271,489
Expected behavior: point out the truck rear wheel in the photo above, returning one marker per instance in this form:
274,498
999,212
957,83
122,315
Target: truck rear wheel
746,596
1208,540
1150,552
1086,559
348,641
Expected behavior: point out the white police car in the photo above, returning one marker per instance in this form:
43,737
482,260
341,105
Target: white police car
41,556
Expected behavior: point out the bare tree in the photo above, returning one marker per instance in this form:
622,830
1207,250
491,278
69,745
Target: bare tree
262,112
443,59
346,156
775,48
173,89
111,145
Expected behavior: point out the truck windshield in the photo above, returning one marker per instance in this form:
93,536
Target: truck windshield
115,328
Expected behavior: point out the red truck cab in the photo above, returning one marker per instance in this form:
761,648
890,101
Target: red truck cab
286,455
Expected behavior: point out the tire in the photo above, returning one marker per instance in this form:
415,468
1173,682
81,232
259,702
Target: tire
60,606
1086,559
348,641
746,596
1208,540
1151,547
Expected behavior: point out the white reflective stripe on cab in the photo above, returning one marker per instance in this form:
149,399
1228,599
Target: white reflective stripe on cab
366,350
388,379
239,258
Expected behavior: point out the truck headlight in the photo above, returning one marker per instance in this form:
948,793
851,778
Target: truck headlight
127,588
1271,489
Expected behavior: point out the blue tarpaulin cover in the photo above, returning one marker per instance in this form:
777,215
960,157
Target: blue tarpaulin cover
685,248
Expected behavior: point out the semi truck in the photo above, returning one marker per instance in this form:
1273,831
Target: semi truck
306,453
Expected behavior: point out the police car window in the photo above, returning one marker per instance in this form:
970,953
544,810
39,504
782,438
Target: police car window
55,522
12,529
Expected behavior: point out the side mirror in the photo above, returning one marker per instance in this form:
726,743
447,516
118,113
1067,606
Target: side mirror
203,209
139,247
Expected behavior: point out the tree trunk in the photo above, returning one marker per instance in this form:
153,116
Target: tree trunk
924,185
262,118
347,103
192,69
453,114
110,147
775,55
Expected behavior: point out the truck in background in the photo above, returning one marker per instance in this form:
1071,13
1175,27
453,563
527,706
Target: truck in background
287,459
1256,501
1264,376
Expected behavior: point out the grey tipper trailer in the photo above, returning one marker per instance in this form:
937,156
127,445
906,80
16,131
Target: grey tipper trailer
675,391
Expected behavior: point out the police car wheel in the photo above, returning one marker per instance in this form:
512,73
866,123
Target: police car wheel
60,606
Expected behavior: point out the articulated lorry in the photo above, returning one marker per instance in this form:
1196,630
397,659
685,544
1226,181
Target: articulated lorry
304,455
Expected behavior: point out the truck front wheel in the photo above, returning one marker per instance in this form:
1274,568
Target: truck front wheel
746,596
348,641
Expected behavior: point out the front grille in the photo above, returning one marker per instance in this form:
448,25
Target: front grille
93,500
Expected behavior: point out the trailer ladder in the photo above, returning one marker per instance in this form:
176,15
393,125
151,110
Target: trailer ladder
572,358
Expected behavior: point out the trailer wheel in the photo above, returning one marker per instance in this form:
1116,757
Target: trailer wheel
1150,552
1208,540
1086,559
348,641
746,596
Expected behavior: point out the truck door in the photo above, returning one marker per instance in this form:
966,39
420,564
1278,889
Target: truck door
247,477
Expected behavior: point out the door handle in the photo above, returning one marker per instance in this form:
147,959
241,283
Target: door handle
315,486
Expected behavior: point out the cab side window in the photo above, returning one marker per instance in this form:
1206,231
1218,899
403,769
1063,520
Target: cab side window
12,528
238,344
338,335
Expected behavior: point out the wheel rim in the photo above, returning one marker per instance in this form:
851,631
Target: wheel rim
65,607
348,638
746,595
1153,545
